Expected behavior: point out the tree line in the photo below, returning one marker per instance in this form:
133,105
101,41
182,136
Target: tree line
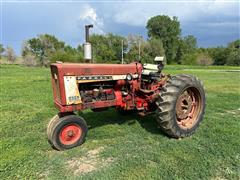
164,39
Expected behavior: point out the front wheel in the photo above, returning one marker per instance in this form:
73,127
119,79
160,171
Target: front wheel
67,132
181,106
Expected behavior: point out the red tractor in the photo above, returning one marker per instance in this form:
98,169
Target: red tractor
178,102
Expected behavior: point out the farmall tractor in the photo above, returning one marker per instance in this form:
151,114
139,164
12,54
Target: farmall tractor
178,102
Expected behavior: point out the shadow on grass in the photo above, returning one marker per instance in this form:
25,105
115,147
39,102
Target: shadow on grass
111,116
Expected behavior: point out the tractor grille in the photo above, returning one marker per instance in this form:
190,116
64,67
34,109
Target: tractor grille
55,80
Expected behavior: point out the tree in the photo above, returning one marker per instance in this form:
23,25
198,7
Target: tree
189,59
148,49
43,47
1,50
100,48
69,54
30,60
186,45
133,43
233,57
190,43
229,55
155,49
10,54
204,59
168,30
218,54
66,56
233,53
234,44
115,43
107,48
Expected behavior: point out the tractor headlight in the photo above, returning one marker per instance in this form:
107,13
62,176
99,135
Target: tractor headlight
129,77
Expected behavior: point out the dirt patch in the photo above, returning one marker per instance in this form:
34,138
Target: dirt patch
217,178
43,175
95,152
90,162
234,112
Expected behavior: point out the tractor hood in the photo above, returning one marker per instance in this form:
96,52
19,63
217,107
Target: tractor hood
76,69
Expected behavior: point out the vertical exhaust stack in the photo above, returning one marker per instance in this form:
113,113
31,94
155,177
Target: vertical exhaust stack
87,45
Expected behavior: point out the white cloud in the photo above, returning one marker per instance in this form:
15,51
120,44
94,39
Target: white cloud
88,15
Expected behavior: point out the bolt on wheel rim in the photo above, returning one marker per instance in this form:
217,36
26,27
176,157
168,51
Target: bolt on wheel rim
70,134
188,107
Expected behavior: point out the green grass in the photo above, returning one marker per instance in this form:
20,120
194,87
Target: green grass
117,147
187,67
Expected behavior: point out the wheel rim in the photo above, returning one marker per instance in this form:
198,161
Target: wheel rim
70,134
188,107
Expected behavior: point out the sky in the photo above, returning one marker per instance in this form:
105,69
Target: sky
213,22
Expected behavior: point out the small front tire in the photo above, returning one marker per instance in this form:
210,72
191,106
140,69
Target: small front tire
67,132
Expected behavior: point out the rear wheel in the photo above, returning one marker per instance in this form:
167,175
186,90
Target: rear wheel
67,132
181,106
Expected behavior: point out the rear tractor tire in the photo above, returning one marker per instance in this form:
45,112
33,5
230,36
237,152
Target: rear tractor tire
66,132
181,106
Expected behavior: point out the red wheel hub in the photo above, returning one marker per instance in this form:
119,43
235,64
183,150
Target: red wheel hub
188,107
70,134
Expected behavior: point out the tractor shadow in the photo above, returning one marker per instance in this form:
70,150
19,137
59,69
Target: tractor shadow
111,116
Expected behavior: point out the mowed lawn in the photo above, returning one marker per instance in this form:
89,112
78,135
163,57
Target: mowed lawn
117,147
